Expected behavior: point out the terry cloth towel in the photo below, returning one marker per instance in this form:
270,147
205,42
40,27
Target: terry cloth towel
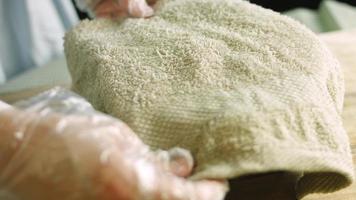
245,89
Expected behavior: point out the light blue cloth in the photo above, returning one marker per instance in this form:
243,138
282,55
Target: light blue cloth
31,33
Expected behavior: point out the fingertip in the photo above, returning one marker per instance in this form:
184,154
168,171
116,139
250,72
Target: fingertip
148,12
139,8
181,162
211,190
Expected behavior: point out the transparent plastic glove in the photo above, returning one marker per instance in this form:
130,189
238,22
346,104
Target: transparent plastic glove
117,8
50,155
3,105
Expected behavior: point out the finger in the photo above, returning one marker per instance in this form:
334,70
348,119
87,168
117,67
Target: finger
4,106
210,190
176,188
181,162
139,8
110,9
177,161
141,179
115,179
107,15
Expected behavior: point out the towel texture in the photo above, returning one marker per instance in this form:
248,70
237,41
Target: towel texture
245,89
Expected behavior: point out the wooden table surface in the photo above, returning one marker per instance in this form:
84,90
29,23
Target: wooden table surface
343,45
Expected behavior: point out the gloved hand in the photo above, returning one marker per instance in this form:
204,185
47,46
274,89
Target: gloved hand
117,8
122,8
44,155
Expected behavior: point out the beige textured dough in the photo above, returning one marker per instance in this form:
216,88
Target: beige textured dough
245,89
